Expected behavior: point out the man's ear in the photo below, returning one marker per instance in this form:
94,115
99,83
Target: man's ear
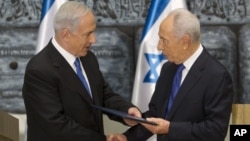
186,40
65,34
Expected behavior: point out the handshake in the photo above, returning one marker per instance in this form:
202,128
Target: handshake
116,137
162,127
154,125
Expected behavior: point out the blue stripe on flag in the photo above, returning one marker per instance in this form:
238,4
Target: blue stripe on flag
155,10
46,6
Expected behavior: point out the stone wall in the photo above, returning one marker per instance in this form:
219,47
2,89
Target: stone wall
225,33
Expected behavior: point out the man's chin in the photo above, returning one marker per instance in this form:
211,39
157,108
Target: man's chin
85,53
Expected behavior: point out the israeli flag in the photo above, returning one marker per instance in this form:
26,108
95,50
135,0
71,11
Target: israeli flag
46,29
150,60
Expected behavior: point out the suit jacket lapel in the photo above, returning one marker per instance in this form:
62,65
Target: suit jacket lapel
87,64
68,74
191,79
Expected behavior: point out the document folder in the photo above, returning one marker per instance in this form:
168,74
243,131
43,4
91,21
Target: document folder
123,115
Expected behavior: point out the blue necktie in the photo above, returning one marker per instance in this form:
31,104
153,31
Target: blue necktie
175,87
80,75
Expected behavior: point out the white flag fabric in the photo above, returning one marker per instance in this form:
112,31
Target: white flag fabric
150,60
46,28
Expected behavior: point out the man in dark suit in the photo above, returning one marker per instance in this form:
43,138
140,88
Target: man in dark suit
201,107
57,100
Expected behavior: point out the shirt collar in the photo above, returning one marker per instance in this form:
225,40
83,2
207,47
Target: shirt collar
190,61
67,56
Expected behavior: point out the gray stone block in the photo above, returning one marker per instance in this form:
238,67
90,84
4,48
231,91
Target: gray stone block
114,51
23,13
244,64
16,48
20,13
221,11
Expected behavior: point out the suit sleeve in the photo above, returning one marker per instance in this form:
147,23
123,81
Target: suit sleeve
139,133
110,98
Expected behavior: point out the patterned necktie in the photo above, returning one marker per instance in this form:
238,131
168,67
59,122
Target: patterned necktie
80,75
175,87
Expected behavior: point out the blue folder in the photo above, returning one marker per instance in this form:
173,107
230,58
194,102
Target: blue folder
123,115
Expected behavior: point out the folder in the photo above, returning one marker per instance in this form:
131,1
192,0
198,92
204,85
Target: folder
123,115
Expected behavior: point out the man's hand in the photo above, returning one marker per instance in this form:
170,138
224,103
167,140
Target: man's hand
161,128
116,137
133,112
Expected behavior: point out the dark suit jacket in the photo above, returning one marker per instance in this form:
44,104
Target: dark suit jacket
202,107
58,106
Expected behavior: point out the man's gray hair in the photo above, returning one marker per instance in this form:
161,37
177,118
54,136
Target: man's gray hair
184,22
69,15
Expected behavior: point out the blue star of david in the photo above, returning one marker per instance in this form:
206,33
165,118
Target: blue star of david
154,61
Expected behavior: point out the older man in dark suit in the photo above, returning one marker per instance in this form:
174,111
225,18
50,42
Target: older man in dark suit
193,96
